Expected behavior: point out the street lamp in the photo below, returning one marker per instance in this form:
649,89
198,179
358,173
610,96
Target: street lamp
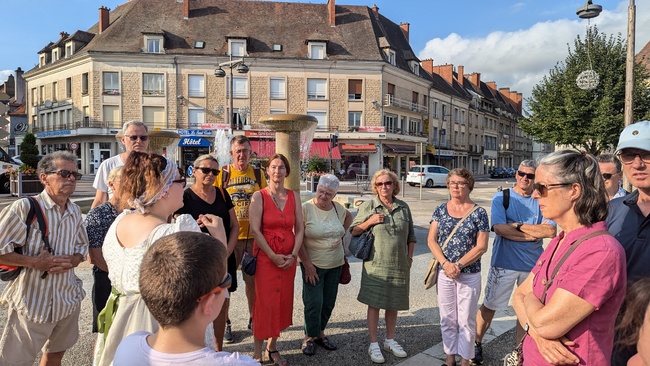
241,68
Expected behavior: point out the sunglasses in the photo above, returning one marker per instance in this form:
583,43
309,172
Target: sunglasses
530,176
607,176
206,171
182,181
225,284
628,158
65,174
542,189
387,184
135,137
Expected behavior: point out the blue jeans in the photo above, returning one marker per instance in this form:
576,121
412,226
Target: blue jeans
319,299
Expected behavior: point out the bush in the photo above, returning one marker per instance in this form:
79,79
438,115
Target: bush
316,164
29,151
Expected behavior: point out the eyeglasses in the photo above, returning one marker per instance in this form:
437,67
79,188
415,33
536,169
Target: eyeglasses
135,137
65,174
208,170
628,157
242,151
608,176
182,181
530,176
225,284
457,184
324,193
387,184
542,189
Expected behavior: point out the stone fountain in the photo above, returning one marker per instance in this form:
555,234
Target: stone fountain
159,139
287,129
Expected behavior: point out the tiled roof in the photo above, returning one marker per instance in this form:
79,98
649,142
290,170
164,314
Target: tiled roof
644,56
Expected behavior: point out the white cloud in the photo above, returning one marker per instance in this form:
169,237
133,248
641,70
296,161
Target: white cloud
4,74
520,59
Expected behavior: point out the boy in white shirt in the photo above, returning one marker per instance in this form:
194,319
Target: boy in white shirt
183,281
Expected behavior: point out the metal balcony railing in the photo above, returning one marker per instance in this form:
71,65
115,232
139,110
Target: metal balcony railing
391,101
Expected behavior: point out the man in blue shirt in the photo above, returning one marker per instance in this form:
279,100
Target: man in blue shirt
520,230
628,218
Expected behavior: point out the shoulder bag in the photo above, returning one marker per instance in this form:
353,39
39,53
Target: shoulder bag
431,276
346,276
361,246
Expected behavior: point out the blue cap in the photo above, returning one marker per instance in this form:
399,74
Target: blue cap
635,136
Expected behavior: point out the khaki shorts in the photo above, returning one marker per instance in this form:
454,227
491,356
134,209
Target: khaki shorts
22,339
500,284
239,253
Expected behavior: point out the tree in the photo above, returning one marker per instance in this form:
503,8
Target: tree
591,120
29,151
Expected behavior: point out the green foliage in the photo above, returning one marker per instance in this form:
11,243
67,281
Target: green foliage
29,151
316,164
590,120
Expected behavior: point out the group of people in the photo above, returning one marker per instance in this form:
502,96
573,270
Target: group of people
166,257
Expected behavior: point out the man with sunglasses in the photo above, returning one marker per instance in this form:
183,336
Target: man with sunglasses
520,229
628,219
45,299
135,137
610,168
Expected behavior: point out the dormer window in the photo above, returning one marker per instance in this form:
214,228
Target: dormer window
42,59
415,67
317,50
68,49
153,43
237,47
55,55
390,56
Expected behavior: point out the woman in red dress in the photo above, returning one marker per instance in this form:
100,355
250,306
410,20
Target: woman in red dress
277,225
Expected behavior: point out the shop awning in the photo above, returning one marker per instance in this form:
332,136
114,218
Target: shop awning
266,148
431,149
357,148
193,141
400,149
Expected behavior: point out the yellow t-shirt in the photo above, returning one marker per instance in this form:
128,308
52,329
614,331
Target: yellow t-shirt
323,233
241,185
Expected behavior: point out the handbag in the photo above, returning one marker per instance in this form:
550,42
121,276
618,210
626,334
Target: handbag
516,357
249,263
431,275
346,276
361,245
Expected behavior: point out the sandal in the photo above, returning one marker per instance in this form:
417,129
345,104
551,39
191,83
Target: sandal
308,348
326,343
280,362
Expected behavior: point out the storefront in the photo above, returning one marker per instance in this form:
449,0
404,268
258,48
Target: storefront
193,143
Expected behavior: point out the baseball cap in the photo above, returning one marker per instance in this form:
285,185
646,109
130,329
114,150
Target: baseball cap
635,136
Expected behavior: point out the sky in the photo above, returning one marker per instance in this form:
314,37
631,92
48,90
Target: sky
512,42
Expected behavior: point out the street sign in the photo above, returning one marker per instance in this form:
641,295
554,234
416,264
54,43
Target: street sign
190,171
74,146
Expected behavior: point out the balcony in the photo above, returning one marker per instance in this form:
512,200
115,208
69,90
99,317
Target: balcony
391,101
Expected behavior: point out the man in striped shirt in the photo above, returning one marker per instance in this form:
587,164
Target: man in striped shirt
43,312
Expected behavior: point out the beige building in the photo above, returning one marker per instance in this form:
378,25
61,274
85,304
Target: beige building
349,66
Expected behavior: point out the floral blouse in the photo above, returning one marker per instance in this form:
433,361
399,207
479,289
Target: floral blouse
464,238
97,222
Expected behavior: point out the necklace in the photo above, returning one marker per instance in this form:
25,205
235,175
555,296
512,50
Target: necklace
279,194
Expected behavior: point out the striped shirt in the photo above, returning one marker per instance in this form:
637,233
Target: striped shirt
58,295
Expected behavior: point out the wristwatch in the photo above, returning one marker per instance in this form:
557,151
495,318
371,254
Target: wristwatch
519,225
460,265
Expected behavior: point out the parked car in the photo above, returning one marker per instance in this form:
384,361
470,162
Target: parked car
511,172
428,175
357,168
17,160
499,172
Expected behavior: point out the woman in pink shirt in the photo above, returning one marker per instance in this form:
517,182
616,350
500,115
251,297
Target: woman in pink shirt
569,302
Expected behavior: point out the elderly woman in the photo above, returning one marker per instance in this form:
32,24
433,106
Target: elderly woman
322,258
582,269
458,237
204,198
386,275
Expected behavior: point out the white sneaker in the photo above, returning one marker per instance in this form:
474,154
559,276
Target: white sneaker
375,354
395,348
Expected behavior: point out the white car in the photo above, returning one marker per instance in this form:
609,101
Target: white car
428,175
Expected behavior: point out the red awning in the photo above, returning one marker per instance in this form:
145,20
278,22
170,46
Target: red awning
265,148
355,148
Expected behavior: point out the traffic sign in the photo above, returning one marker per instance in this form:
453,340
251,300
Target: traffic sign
190,171
74,146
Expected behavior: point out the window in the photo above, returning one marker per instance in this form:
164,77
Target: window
152,84
55,55
390,56
68,50
355,88
278,87
196,117
316,88
42,59
41,94
444,112
317,50
434,138
277,111
462,116
153,116
196,85
111,83
443,137
153,46
354,119
84,83
240,87
391,93
111,115
415,67
237,47
68,88
414,101
435,109
415,126
34,97
390,122
55,90
321,116
455,114
455,137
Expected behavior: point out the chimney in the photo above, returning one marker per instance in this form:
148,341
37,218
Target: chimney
492,85
331,10
20,86
405,29
475,78
427,65
446,72
104,19
460,77
375,10
506,93
518,98
186,9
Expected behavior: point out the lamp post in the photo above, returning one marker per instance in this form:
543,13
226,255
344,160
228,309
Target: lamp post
241,68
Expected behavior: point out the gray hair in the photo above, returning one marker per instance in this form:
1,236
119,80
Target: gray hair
115,174
329,181
570,166
204,157
47,162
610,158
529,164
133,123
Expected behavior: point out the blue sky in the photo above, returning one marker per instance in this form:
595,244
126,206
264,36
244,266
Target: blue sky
511,42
